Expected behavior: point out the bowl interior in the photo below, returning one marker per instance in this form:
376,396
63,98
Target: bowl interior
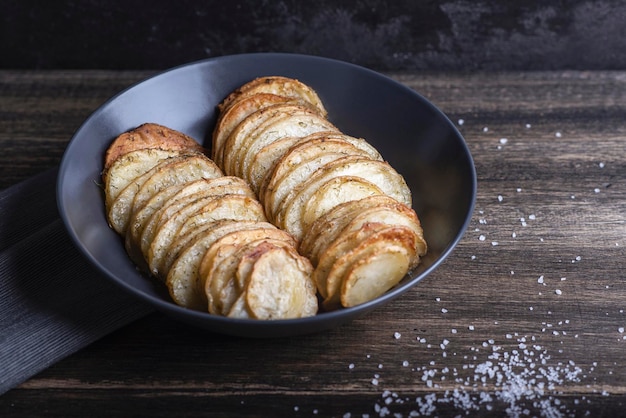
410,133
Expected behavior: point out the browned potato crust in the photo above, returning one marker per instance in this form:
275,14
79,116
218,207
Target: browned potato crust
149,135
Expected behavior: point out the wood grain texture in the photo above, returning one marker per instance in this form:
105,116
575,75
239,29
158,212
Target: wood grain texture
526,318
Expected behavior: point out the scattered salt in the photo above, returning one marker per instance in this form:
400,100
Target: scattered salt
461,122
397,335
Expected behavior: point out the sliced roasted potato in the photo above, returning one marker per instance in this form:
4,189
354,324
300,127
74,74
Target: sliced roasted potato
373,274
146,136
183,276
280,287
188,168
343,244
399,240
352,216
223,208
239,266
377,172
216,207
280,86
184,289
130,166
297,166
120,209
235,114
215,272
235,147
265,160
298,124
334,192
215,186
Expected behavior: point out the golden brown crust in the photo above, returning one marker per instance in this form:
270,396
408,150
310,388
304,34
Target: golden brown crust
149,135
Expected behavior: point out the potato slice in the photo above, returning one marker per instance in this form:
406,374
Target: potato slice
328,227
146,136
239,266
186,170
184,289
359,143
235,114
121,207
337,249
239,309
218,207
299,124
215,186
399,240
379,173
373,274
183,276
278,85
127,168
227,208
265,160
175,202
256,124
279,286
334,192
215,272
298,165
243,131
351,216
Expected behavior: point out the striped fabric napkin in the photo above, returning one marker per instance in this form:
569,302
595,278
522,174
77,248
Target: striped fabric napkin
52,301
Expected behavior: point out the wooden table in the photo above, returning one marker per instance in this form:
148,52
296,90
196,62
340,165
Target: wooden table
526,318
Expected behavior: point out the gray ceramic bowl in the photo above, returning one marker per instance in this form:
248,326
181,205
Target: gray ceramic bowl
411,133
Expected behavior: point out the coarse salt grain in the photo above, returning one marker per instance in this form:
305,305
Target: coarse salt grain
397,335
461,122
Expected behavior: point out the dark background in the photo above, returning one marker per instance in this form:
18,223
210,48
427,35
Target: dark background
383,35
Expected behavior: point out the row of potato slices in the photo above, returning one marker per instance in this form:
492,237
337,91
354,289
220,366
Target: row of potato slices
202,233
349,210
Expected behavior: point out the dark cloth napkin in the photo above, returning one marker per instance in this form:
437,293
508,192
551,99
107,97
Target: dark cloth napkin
52,301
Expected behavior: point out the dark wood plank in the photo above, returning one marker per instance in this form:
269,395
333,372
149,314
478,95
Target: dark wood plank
528,314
